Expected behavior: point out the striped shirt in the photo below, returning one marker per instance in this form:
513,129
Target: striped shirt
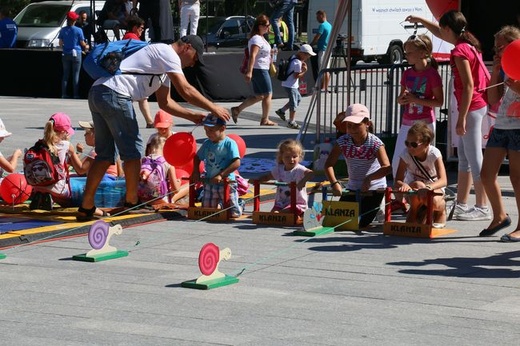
361,161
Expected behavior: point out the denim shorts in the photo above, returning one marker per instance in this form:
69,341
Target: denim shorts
116,125
294,98
507,139
261,82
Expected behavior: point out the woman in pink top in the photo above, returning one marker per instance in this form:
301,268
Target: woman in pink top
470,79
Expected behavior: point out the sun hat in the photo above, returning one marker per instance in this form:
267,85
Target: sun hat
356,113
212,120
305,48
86,124
3,131
162,119
62,123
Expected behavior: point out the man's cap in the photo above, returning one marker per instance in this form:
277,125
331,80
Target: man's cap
197,44
212,120
72,15
162,119
62,123
86,124
3,131
356,113
305,48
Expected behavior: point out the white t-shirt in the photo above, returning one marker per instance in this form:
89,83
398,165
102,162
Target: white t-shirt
295,67
414,173
263,58
508,115
156,59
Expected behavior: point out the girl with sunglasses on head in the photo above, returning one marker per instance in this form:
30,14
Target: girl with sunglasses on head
421,90
421,169
469,83
504,138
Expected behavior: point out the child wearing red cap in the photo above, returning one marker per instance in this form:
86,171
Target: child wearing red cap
163,122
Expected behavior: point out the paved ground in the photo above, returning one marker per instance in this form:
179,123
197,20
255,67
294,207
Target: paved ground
337,289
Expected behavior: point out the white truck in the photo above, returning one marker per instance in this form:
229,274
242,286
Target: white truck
378,28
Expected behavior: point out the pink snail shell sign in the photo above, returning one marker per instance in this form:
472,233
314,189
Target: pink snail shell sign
209,257
98,234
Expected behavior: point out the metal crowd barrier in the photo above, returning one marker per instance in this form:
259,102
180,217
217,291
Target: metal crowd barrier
377,87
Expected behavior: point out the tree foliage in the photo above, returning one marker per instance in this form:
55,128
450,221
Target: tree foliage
14,6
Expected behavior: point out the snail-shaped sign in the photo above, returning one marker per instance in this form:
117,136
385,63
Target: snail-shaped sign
99,238
209,259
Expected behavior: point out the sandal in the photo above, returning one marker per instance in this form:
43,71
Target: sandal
234,114
267,123
134,208
90,214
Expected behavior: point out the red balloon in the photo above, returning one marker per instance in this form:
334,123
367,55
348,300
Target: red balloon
510,58
180,174
439,7
179,149
14,189
240,143
187,167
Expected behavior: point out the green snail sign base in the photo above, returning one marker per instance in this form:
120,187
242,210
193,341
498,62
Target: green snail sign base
101,257
209,284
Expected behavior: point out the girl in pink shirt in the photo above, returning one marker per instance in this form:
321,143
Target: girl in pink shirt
421,90
470,79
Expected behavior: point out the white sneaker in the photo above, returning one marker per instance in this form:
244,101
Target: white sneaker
475,214
459,210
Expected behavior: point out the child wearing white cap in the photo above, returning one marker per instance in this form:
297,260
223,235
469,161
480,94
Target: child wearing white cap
367,163
7,164
296,70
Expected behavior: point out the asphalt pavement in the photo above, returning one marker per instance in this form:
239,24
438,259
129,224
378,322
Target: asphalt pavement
340,288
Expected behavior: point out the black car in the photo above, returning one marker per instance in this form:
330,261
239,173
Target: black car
225,31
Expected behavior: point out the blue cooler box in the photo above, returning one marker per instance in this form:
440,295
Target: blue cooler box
110,192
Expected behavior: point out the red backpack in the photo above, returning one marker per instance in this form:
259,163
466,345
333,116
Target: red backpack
245,61
41,167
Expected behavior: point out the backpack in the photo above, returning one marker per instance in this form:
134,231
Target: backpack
245,61
104,60
41,167
283,69
153,182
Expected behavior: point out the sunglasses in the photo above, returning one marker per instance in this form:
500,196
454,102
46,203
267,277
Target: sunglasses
417,38
268,24
411,144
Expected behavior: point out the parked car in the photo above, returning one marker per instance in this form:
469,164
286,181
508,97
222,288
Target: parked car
40,23
225,31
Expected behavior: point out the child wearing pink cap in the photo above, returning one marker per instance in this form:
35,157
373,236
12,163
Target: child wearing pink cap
56,137
367,163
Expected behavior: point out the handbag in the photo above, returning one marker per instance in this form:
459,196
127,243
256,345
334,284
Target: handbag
245,61
272,70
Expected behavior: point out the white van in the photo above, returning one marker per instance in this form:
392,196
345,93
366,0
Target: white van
378,27
40,23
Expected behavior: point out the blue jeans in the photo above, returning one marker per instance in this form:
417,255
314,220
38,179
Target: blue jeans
70,63
116,125
286,10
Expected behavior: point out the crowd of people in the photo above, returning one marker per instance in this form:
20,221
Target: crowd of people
417,166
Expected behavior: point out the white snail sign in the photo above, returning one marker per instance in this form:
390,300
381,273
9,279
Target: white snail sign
209,259
99,237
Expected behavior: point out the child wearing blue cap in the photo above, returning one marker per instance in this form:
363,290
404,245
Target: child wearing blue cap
221,159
